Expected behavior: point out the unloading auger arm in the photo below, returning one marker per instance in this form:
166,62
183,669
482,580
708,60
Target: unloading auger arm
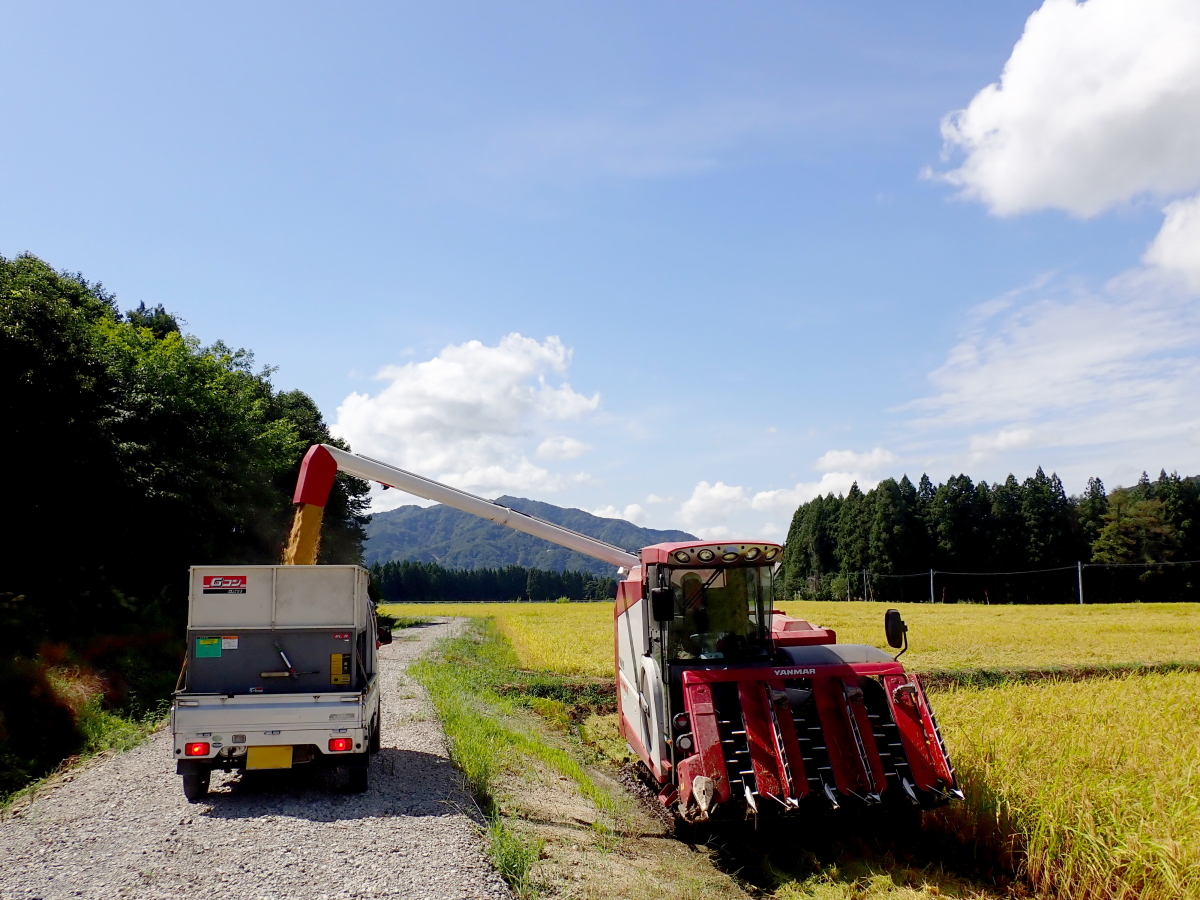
323,462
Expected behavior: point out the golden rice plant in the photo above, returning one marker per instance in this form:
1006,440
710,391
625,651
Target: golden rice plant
576,638
565,638
971,636
1091,788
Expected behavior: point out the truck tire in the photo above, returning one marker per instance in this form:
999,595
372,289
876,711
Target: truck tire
373,743
357,783
195,782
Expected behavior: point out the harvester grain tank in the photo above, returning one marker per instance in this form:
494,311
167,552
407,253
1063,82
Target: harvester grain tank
733,708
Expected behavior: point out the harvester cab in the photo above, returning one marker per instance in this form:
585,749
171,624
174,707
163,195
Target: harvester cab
734,708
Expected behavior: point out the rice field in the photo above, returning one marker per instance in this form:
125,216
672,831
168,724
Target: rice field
1097,782
576,638
1091,788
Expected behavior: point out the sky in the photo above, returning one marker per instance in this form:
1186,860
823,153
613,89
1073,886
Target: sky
689,264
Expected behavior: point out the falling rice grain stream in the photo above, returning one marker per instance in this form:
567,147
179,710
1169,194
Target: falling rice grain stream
122,828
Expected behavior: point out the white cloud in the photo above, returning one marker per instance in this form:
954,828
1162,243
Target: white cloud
849,460
562,448
1063,357
631,513
709,506
1098,103
1176,249
1119,368
1005,439
654,498
785,500
465,416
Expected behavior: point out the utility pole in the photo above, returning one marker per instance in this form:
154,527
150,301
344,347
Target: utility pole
1079,569
931,585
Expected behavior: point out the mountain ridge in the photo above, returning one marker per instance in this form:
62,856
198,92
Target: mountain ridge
459,540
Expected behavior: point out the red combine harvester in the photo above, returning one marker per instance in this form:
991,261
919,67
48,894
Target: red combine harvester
734,708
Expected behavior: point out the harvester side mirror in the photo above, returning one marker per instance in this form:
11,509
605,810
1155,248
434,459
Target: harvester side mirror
385,634
894,628
662,604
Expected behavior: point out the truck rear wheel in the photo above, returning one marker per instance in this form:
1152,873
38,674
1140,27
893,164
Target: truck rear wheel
195,782
358,780
374,742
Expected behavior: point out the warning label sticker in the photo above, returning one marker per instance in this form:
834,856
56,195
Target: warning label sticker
229,641
224,584
208,647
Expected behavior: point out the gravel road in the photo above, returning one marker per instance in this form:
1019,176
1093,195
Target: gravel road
122,828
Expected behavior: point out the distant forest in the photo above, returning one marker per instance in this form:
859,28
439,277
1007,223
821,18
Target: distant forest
858,546
418,582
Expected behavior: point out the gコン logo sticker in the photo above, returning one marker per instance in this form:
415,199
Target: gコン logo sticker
224,584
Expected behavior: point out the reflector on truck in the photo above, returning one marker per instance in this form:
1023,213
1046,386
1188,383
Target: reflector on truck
269,757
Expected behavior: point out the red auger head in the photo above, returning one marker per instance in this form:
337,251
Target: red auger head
316,477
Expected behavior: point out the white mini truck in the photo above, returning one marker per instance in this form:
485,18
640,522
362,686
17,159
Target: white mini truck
281,671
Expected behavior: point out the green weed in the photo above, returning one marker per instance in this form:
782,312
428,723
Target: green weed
513,856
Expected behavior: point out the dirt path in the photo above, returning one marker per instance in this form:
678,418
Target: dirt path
122,828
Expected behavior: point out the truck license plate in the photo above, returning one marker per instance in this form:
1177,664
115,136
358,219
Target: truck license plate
269,757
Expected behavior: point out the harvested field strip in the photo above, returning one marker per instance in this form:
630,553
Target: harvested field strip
1090,789
576,638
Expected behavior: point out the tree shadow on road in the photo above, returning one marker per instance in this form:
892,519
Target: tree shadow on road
402,783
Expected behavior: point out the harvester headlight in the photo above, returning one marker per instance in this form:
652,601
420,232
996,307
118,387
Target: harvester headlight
751,554
681,721
730,555
682,556
684,742
705,555
771,553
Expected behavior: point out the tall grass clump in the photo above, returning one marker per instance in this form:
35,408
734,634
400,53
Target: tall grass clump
513,856
1087,789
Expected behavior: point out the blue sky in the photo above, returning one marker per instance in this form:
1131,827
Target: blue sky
688,263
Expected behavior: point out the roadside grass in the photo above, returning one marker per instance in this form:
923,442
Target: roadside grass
576,638
1088,789
104,731
476,688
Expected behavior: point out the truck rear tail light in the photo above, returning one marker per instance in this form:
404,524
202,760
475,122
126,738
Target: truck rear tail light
200,748
338,745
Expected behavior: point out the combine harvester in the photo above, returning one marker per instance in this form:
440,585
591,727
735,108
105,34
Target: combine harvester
734,708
